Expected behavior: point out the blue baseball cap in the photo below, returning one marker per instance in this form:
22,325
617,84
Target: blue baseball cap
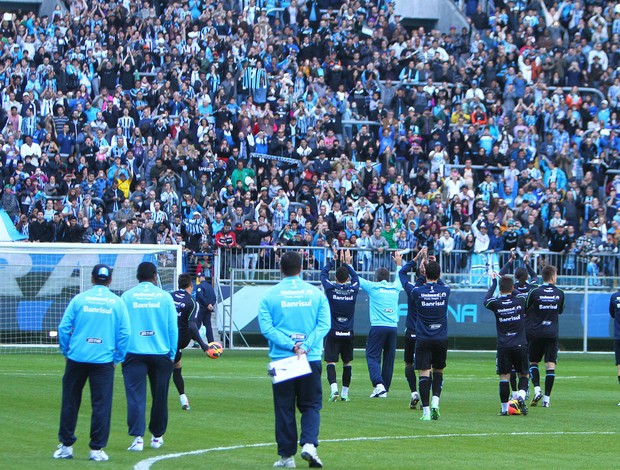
102,272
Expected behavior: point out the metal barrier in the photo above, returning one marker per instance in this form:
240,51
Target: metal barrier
585,314
412,83
458,267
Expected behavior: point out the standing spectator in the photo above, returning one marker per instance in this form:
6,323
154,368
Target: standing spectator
293,326
93,336
365,255
379,244
226,241
152,348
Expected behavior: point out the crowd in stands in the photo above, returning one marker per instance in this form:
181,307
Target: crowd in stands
327,123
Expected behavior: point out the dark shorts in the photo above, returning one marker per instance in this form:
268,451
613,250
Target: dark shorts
431,354
338,346
547,347
617,351
509,358
410,341
184,340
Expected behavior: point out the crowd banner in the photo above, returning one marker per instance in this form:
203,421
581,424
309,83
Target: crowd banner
277,158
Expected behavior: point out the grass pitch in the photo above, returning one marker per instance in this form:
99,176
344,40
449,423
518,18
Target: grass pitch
232,414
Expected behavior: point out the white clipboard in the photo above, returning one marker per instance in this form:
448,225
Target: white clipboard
289,368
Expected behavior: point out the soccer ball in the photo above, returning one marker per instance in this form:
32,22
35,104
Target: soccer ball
215,350
513,407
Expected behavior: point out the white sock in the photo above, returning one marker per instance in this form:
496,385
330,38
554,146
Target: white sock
345,391
426,411
537,390
334,388
415,395
515,395
504,407
521,394
434,401
546,399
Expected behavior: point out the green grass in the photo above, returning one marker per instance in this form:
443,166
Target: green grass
232,405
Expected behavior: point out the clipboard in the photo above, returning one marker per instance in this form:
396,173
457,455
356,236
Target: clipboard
289,368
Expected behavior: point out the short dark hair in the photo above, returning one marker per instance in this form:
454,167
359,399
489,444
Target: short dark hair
146,271
382,274
342,274
548,272
433,271
290,263
521,274
506,284
185,280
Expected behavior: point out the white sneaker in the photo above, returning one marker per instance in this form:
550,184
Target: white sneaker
286,462
309,454
157,442
98,455
184,402
379,391
64,452
137,445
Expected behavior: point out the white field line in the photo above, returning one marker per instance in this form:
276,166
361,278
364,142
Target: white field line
146,464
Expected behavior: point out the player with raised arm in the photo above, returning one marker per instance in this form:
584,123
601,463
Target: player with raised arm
431,326
521,274
614,312
509,310
522,286
410,336
339,341
544,304
381,342
189,322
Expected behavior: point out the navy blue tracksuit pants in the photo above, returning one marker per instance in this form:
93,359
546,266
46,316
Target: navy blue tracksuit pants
136,369
101,377
381,341
307,393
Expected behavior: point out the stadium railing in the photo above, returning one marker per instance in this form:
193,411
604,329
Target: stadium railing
584,326
456,265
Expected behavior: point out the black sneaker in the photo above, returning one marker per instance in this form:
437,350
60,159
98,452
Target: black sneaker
503,413
536,399
522,406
